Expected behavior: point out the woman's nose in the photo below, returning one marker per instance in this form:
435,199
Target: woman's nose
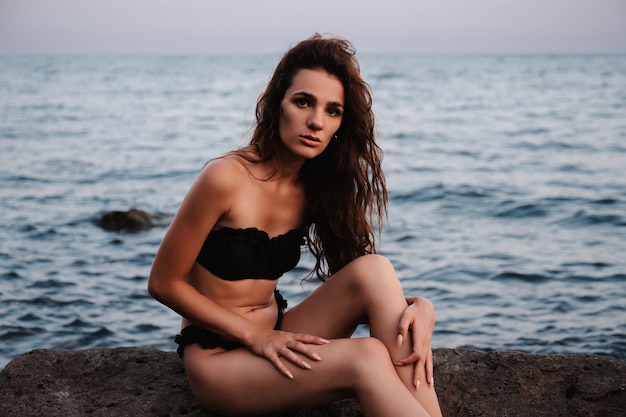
316,119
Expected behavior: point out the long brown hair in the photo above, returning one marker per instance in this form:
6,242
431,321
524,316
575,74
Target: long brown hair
344,186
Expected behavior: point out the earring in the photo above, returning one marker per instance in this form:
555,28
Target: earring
335,137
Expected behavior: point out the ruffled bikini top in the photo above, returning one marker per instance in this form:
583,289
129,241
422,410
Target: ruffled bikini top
234,254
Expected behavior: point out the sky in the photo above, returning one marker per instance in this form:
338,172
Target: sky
238,26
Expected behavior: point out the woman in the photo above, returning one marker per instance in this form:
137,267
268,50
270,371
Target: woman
312,169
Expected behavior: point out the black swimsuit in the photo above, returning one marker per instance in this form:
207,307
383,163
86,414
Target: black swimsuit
235,254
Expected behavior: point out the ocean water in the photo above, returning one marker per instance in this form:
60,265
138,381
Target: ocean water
507,181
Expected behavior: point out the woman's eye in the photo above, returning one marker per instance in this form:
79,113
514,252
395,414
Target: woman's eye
302,102
333,111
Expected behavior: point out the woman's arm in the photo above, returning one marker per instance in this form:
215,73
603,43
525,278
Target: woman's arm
208,200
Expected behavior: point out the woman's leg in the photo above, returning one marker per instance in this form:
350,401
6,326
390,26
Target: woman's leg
366,289
238,382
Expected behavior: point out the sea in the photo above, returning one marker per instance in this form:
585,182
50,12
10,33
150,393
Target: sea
506,178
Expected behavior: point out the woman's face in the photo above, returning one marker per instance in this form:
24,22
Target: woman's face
310,112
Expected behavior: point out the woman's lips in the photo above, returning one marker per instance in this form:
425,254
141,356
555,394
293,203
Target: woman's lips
310,140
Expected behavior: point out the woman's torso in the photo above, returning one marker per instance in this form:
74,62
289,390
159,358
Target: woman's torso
274,206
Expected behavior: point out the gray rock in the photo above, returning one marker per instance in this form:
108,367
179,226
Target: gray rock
148,382
473,383
132,220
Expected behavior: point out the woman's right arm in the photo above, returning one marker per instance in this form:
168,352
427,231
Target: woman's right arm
207,200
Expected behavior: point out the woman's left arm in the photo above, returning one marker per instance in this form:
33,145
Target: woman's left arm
419,317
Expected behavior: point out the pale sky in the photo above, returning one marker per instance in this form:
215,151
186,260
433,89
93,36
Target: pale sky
205,26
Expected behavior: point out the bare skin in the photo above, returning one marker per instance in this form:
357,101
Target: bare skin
348,367
312,360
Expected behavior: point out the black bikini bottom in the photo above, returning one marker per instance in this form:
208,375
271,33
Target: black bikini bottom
210,340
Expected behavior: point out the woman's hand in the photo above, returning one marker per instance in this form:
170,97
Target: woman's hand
419,317
274,345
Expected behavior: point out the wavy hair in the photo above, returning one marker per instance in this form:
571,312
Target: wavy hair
344,186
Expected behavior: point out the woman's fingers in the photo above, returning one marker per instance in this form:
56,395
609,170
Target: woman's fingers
403,327
429,368
413,357
302,340
303,348
289,354
294,348
281,366
423,362
424,366
310,339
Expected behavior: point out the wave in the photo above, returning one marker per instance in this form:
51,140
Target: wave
51,284
554,146
16,333
11,275
45,301
594,265
528,132
517,276
76,323
606,201
521,211
442,191
582,218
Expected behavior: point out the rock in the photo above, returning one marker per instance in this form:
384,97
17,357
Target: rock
148,382
131,220
496,384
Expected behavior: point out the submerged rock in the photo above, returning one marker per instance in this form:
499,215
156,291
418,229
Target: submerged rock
132,220
147,382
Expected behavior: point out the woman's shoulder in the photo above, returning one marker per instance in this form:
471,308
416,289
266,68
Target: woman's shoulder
238,161
220,175
224,165
227,172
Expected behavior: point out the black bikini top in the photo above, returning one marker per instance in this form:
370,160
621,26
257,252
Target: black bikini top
234,254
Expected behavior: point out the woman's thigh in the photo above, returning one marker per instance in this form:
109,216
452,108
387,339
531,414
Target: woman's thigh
238,382
366,286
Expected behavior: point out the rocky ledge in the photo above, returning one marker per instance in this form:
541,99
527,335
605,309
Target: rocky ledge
147,382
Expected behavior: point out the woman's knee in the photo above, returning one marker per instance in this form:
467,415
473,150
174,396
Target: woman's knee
373,273
372,348
370,356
